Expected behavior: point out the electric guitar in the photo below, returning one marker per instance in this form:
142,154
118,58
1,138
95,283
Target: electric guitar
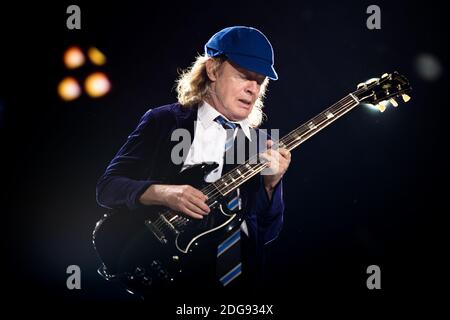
157,243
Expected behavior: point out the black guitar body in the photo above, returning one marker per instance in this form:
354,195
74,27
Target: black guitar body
163,247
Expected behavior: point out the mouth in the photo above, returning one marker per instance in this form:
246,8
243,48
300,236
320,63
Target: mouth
245,103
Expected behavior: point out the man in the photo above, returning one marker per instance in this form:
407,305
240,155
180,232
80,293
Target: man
223,89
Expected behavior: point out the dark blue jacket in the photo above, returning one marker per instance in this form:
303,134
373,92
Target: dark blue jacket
145,159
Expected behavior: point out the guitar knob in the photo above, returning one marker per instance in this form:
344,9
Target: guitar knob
139,272
147,281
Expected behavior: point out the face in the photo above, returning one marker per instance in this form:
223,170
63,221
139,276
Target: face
234,90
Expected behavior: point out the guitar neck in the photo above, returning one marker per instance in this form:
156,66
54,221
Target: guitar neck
236,177
374,91
299,135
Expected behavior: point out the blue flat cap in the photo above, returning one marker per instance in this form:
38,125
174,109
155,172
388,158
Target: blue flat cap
248,47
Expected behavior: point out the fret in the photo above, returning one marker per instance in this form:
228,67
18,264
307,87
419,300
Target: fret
225,188
234,175
312,125
296,136
329,114
354,97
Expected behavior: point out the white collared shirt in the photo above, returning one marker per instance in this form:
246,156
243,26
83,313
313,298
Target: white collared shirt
209,140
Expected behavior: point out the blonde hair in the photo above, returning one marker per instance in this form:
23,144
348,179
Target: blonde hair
193,87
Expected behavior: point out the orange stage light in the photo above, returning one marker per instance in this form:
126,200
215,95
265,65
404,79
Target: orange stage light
69,89
74,58
97,84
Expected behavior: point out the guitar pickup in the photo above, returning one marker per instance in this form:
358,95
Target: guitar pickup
169,224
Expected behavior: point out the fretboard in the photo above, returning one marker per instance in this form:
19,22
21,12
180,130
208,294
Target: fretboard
240,174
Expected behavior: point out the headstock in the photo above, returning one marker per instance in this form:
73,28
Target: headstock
384,90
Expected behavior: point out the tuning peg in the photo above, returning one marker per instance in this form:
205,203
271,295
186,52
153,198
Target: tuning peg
382,106
385,75
371,80
393,102
405,97
360,85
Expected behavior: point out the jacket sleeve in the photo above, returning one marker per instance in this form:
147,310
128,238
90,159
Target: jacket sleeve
266,216
126,176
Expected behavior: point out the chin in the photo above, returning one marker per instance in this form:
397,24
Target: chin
240,115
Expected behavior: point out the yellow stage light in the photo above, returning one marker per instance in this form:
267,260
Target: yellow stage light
69,89
96,56
73,58
97,84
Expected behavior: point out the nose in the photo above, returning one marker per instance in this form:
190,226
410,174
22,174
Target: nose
252,87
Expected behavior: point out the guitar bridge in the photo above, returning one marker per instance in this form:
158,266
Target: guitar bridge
156,231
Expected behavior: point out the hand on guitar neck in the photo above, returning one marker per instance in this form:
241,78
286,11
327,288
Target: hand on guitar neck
278,163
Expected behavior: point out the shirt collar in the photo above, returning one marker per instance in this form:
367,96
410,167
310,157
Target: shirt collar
207,114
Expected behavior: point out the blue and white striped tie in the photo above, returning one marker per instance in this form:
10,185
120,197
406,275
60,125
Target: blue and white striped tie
230,128
229,265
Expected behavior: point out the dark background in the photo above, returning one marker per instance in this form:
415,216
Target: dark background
370,189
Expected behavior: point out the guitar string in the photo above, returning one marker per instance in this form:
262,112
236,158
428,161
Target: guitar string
299,136
337,108
287,143
212,189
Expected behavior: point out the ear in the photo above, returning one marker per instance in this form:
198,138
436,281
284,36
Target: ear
211,69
